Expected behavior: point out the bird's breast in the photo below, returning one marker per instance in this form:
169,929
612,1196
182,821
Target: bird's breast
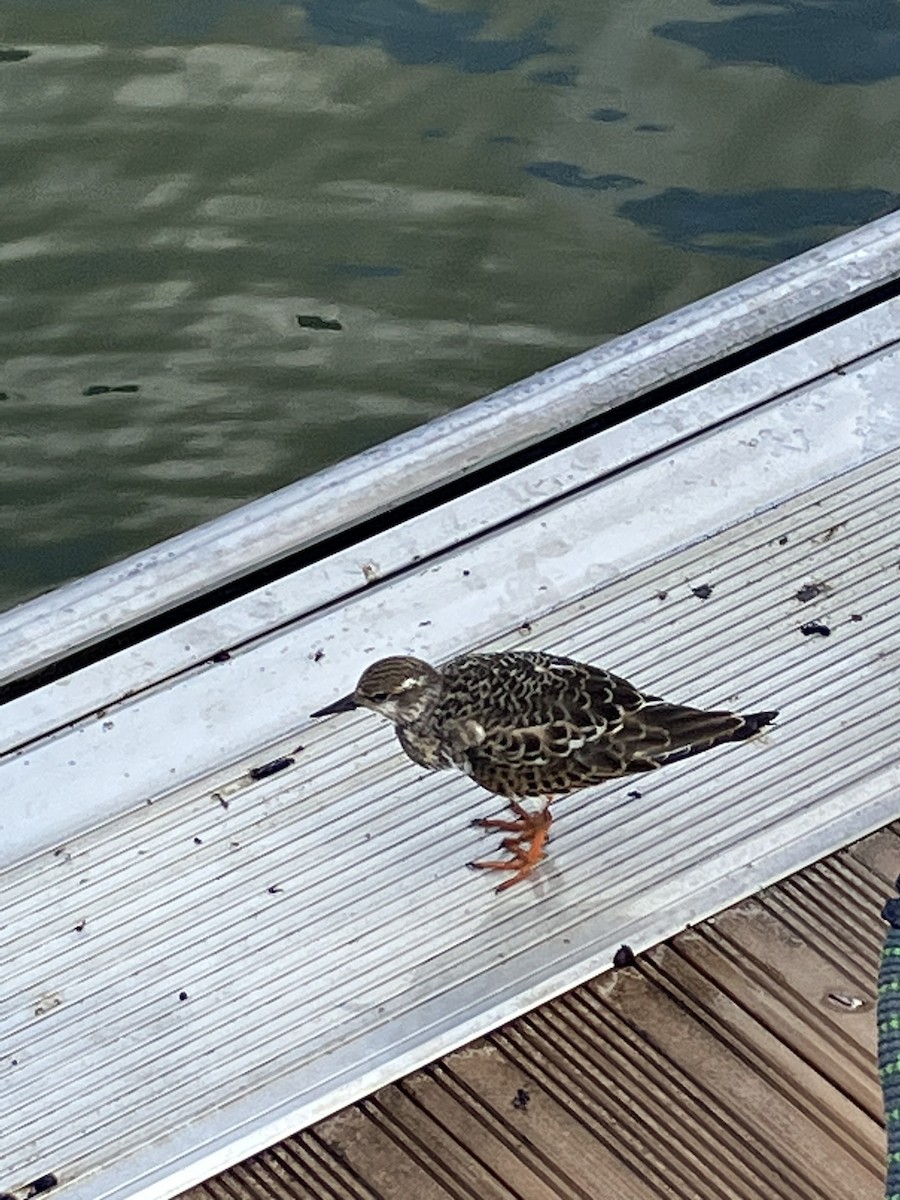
423,747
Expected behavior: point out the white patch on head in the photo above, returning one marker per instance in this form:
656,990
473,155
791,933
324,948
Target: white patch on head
410,682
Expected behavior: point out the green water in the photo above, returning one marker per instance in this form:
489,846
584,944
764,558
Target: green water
470,191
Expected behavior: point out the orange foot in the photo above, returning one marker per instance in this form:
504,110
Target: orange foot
529,827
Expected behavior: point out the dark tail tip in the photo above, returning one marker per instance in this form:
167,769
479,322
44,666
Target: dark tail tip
753,723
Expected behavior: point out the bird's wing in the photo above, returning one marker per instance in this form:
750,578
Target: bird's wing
554,757
562,756
548,725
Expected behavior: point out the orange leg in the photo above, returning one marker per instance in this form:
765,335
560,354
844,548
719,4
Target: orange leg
524,826
530,827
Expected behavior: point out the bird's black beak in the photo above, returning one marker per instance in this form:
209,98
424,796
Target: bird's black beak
345,704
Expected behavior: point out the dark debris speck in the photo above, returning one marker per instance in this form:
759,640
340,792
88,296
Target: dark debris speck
783,540
44,1183
220,656
525,627
856,616
635,795
311,321
608,114
809,591
182,995
264,770
813,628
831,531
624,957
318,656
521,1100
703,591
102,389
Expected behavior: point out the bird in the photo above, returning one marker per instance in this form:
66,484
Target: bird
528,724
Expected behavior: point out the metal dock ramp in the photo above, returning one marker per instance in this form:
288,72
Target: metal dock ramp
200,957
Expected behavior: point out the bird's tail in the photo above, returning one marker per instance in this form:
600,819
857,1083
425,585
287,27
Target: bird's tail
752,723
691,731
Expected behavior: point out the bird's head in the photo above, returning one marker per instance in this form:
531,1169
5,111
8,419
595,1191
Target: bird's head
402,689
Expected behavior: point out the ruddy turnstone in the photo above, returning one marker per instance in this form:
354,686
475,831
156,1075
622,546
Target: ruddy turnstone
525,724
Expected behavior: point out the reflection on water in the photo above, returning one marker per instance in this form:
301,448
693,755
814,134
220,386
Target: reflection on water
240,240
761,224
571,175
829,41
412,32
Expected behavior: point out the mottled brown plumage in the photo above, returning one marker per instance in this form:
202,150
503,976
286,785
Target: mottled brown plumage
524,723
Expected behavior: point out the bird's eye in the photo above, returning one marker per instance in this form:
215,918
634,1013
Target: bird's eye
379,697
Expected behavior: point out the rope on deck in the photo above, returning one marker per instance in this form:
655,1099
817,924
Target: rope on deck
889,1042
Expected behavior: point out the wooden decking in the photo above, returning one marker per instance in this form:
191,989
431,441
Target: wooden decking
735,1061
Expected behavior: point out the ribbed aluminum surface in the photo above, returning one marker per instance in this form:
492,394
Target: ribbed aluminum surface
190,981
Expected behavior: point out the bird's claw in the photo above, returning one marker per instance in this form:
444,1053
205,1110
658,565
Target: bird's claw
516,827
529,833
527,823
